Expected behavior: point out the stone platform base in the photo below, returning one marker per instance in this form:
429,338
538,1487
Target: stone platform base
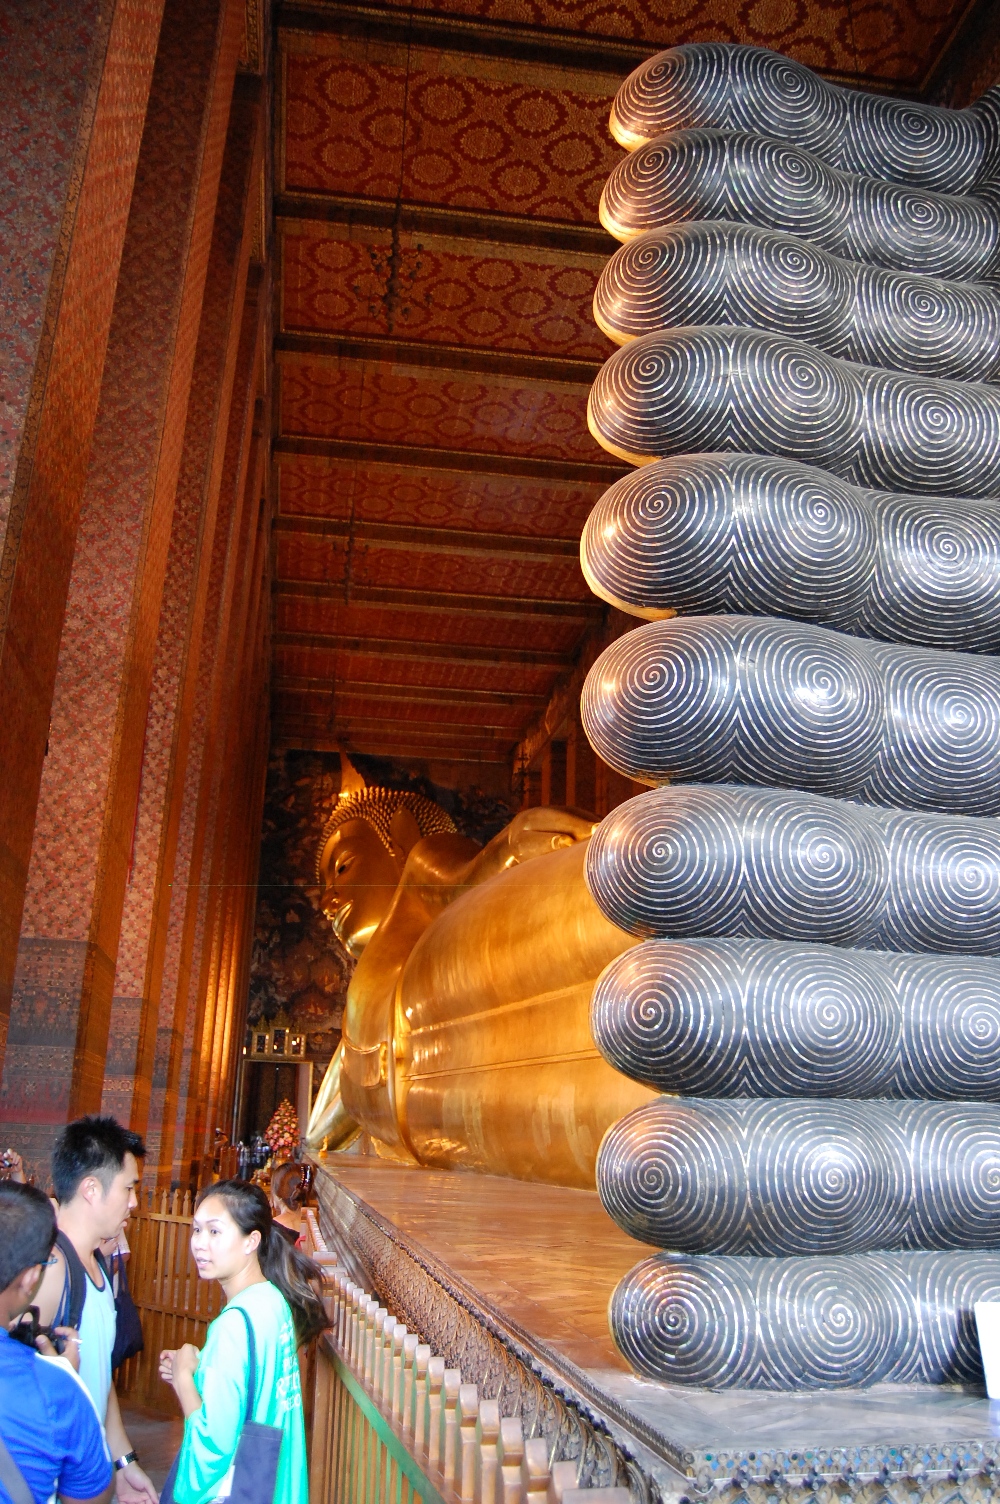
511,1283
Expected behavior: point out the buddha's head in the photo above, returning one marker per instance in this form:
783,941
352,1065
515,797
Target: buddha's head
363,850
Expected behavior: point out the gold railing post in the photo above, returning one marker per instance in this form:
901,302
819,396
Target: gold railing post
371,1316
383,1365
432,1427
401,1369
487,1435
563,1476
465,1464
449,1422
413,1417
510,1452
535,1470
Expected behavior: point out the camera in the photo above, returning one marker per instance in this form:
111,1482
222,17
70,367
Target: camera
28,1328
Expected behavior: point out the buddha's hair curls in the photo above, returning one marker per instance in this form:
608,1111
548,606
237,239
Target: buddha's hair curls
378,806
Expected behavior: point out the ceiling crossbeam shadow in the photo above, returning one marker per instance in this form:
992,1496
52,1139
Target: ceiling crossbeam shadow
438,170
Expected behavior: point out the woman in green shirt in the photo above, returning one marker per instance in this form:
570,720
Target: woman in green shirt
234,1240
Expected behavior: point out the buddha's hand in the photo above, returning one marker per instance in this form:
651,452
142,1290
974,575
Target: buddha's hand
535,831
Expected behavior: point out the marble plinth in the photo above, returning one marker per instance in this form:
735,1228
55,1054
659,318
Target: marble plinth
511,1282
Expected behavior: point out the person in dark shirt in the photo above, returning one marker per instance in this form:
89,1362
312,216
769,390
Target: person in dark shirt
48,1422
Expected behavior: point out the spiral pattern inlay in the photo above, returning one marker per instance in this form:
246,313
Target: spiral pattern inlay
735,699
705,1175
821,1322
718,273
732,175
748,533
806,306
724,860
767,1018
722,86
720,388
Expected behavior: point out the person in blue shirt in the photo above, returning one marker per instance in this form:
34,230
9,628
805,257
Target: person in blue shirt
95,1176
48,1422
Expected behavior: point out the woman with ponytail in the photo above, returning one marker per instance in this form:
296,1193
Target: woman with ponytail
276,1289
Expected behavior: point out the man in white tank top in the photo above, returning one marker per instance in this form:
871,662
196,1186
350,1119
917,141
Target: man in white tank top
95,1172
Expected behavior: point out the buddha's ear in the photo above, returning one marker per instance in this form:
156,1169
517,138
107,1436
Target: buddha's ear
404,831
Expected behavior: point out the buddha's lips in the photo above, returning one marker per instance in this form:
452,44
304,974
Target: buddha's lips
338,917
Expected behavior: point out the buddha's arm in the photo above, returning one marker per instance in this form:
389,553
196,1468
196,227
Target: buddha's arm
496,1067
329,1120
531,833
359,1085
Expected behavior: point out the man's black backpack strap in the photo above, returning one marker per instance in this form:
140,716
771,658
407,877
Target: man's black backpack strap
13,1479
75,1288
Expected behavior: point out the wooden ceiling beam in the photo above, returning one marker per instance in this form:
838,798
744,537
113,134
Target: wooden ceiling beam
575,50
416,694
460,734
287,738
295,209
423,725
290,348
468,462
432,540
442,601
362,732
389,648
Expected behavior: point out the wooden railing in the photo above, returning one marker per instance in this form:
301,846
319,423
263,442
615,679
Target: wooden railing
392,1425
388,1422
174,1304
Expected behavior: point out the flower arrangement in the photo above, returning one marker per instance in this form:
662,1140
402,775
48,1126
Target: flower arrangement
282,1136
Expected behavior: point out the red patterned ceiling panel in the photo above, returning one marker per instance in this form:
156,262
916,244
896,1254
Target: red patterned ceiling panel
507,719
546,634
337,280
346,708
327,664
434,498
471,574
480,133
501,678
896,41
371,403
301,557
318,488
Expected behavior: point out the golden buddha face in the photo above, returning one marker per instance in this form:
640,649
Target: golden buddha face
359,877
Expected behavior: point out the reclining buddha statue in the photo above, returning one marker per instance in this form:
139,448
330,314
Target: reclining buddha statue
466,1035
794,935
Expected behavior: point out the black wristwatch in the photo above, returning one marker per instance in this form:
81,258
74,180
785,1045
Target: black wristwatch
123,1462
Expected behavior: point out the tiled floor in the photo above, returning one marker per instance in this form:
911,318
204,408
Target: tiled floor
156,1438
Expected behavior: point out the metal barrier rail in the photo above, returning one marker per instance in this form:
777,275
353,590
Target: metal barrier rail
392,1424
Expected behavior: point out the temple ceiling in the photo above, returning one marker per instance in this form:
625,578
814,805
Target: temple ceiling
437,175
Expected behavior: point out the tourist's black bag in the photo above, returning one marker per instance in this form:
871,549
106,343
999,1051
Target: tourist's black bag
128,1328
255,1466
